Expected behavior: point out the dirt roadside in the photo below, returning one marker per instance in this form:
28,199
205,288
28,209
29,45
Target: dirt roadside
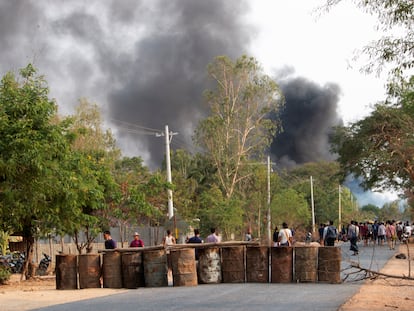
387,293
380,294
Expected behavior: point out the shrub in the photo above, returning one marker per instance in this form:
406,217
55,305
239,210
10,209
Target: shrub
4,274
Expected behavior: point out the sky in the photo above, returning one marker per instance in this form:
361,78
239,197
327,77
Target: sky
321,46
144,63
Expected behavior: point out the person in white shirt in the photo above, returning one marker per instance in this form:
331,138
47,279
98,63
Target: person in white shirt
285,235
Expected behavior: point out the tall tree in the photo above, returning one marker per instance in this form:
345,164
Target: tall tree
94,155
379,148
33,185
133,204
238,127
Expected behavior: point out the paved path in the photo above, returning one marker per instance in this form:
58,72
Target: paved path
248,296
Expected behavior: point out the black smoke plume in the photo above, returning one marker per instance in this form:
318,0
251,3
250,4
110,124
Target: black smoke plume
309,114
143,62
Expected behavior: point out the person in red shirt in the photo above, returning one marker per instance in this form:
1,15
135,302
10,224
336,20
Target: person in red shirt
136,242
363,231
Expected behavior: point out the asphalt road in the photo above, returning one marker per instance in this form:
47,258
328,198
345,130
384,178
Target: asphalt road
247,296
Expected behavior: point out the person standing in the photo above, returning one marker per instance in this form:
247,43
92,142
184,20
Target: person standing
248,236
136,242
375,232
330,234
321,230
109,242
285,235
381,233
169,239
391,234
353,233
276,236
212,238
195,239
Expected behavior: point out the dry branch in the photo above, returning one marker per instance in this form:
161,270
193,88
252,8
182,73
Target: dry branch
375,274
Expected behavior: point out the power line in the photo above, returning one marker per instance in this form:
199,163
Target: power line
136,128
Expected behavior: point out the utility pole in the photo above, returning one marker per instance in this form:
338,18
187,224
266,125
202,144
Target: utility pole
339,210
269,230
313,206
168,167
168,137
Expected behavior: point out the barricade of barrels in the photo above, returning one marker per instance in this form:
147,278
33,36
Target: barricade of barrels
217,263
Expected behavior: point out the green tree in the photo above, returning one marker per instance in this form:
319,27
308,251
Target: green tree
238,127
379,148
34,192
220,212
90,136
132,205
94,153
371,208
183,165
291,206
326,183
391,211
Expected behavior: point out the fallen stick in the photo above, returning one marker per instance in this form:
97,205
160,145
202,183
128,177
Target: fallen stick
403,277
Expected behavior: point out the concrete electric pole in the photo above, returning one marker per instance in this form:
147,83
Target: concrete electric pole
168,137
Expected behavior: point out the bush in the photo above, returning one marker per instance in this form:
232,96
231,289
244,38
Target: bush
4,274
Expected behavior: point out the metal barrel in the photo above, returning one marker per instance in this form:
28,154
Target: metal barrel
155,268
306,264
209,265
89,267
257,264
282,264
184,267
233,264
133,270
66,272
111,270
329,264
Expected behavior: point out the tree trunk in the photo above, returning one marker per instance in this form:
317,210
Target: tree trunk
29,257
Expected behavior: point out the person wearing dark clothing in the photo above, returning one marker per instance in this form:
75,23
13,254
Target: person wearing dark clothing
276,236
330,234
109,242
353,233
320,231
195,239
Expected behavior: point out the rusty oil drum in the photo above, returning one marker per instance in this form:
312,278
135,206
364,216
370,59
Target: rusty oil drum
89,267
282,264
184,267
306,264
155,268
133,270
257,264
111,270
329,264
209,265
66,272
232,268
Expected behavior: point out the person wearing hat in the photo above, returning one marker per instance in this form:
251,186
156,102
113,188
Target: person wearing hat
136,242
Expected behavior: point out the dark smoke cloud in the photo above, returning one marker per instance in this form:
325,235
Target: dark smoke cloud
143,62
308,117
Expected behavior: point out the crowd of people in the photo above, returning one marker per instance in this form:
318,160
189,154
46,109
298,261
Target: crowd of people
370,233
377,232
168,239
